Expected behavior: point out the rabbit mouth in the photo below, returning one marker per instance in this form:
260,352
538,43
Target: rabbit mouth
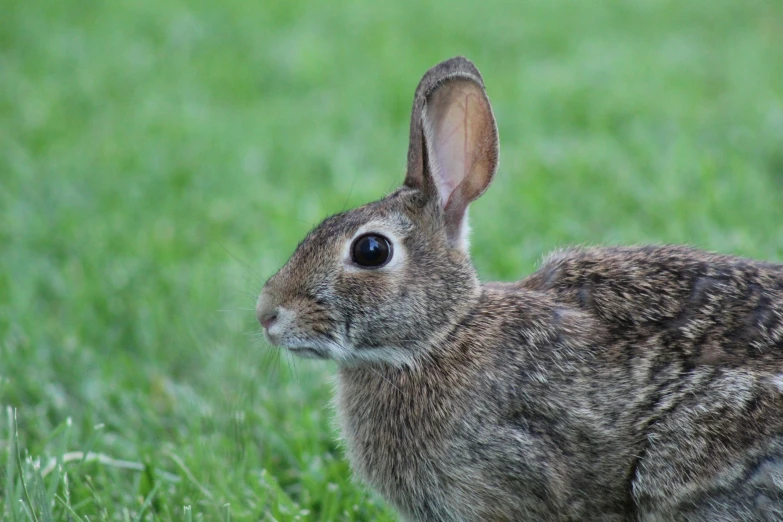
306,346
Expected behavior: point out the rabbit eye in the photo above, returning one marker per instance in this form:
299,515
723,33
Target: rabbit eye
371,251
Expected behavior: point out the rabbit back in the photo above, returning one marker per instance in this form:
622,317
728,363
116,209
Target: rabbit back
706,309
702,336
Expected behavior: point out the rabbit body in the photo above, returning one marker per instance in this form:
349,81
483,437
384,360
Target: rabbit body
613,384
619,384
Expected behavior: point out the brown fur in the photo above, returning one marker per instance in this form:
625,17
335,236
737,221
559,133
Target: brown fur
628,384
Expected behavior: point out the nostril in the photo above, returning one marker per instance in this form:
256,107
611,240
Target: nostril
268,319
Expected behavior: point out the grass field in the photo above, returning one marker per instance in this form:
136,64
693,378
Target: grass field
160,159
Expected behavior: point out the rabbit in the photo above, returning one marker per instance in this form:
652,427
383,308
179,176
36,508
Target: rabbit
613,384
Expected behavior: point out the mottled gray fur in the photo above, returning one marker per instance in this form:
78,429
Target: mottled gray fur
617,384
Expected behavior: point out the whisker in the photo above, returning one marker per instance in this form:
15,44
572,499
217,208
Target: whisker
277,362
345,203
268,362
243,292
292,366
310,224
243,263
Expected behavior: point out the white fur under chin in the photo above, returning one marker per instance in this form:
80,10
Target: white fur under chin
352,356
395,357
344,354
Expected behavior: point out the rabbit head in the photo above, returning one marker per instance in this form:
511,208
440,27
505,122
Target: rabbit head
381,282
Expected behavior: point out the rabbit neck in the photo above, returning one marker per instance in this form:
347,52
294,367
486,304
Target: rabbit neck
395,421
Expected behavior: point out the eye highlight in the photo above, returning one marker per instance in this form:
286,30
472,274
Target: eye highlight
371,251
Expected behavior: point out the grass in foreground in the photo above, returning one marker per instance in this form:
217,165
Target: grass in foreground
160,159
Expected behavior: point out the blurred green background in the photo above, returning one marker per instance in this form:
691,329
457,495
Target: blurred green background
160,159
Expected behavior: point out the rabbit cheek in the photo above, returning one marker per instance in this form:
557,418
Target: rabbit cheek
368,313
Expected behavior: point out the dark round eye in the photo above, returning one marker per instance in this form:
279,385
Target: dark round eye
371,251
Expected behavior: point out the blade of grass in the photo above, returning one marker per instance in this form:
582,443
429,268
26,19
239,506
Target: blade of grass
90,443
21,472
66,504
42,500
147,502
66,440
10,479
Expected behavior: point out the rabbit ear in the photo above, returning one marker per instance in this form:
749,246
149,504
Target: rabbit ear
453,151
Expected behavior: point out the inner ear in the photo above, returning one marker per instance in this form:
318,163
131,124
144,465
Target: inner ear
462,146
457,122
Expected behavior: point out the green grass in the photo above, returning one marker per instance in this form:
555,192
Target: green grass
160,159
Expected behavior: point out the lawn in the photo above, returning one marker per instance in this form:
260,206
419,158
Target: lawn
160,159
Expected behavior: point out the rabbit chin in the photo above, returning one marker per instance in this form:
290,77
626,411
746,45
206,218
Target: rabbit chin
308,348
309,353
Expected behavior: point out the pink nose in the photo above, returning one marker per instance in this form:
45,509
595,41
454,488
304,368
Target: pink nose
267,319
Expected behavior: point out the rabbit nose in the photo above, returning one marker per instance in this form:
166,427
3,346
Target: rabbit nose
269,318
266,311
